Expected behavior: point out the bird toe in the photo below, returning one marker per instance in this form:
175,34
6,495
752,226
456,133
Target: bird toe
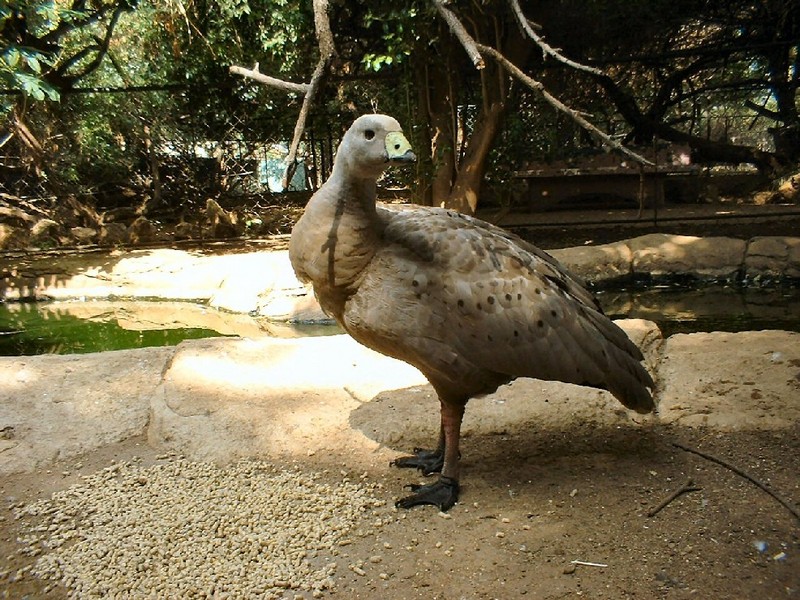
443,494
427,461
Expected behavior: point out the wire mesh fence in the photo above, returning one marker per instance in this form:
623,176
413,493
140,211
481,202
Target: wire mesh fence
161,161
157,152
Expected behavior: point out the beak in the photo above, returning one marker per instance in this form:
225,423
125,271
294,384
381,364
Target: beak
398,149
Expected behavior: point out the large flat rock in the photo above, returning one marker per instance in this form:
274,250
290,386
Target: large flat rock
55,407
227,399
222,399
730,381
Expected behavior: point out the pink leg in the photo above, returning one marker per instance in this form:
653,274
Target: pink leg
444,492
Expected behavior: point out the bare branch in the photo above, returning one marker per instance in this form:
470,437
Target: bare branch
546,48
100,47
300,125
460,32
472,47
761,109
26,136
327,50
576,116
254,73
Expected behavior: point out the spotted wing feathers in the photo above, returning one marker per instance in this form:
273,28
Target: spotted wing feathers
472,306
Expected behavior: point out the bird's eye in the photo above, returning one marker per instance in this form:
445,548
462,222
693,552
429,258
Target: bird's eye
369,134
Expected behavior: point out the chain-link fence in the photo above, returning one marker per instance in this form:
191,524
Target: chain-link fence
156,161
157,153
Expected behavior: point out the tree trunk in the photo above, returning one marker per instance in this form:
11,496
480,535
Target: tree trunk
787,136
436,102
456,182
465,193
154,201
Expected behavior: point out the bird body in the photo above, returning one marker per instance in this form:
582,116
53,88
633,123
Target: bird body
467,303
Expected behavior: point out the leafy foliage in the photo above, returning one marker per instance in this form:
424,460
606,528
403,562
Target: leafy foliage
725,70
21,66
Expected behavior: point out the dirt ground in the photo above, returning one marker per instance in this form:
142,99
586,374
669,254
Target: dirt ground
532,502
535,499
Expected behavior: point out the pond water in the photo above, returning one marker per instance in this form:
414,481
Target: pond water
688,309
79,327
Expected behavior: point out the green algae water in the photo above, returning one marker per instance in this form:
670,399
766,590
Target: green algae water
99,326
27,329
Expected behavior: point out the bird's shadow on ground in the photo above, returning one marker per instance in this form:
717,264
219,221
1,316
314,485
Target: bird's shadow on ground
514,451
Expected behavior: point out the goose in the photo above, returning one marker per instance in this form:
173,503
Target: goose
468,304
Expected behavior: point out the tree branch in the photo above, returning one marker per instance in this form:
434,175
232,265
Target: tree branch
537,86
703,149
762,110
100,47
327,50
472,47
460,32
300,125
254,73
546,48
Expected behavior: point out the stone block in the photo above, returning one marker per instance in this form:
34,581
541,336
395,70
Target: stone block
773,257
225,399
730,381
662,254
597,263
57,407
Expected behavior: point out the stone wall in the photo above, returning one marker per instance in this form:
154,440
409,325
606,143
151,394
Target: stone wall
662,255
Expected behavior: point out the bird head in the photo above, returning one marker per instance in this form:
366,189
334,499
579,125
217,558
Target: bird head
372,143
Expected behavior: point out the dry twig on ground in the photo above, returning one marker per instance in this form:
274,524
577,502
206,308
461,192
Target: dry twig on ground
686,487
741,473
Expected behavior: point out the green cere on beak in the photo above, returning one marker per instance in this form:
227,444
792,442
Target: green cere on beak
398,148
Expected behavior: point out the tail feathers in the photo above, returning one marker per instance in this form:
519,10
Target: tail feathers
631,384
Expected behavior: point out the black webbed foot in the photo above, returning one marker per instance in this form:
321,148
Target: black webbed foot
443,493
427,461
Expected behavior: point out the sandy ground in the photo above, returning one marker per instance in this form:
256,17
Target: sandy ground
538,497
535,500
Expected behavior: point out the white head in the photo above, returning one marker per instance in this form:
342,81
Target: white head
370,145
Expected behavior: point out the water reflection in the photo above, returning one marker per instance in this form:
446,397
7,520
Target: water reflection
708,308
80,327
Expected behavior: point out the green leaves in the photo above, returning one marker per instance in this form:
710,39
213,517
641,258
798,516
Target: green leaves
392,29
375,62
22,64
21,69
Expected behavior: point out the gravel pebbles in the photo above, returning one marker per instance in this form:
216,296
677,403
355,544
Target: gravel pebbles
184,529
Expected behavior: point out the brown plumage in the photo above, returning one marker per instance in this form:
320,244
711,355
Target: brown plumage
468,304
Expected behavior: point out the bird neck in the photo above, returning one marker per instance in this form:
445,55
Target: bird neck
356,198
335,254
